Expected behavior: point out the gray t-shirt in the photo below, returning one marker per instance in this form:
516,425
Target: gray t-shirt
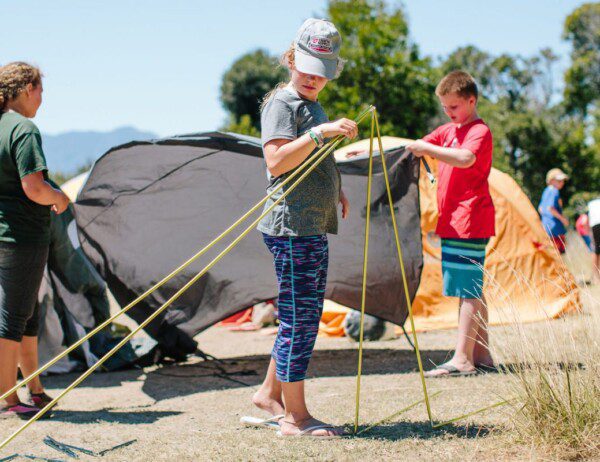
311,208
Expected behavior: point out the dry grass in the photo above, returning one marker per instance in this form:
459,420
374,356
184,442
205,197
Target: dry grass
554,376
554,370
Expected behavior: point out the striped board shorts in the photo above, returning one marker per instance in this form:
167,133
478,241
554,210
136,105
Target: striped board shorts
301,268
462,267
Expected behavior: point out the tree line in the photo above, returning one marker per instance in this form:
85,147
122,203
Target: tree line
536,126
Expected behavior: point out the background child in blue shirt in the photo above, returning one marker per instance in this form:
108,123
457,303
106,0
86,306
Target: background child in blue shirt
550,208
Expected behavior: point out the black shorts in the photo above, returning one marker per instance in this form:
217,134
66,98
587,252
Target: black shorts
596,240
21,271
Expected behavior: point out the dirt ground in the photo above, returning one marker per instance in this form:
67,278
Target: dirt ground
191,411
185,412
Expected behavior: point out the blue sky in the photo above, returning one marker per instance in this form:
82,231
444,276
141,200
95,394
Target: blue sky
157,65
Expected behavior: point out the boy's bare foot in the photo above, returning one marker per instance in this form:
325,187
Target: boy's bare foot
290,427
273,406
452,367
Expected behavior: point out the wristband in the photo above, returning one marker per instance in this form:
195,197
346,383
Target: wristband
319,132
318,141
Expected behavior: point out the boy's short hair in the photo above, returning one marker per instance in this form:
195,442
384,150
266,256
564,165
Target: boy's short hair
459,82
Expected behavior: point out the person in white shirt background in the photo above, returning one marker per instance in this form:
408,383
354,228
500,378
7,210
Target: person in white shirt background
594,222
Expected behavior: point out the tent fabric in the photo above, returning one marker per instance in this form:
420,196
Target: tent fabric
148,206
72,298
526,279
332,320
72,187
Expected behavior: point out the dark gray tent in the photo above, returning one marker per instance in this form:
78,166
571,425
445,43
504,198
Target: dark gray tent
148,206
73,300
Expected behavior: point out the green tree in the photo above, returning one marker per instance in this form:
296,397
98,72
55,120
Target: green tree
476,62
245,83
531,133
581,128
383,68
582,79
505,78
242,126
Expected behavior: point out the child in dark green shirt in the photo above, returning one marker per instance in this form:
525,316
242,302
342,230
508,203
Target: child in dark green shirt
26,199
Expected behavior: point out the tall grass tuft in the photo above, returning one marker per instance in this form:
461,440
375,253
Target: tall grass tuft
553,369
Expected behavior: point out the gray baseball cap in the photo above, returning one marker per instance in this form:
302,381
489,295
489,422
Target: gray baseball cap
317,49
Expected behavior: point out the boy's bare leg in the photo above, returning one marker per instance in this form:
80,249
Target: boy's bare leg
269,396
468,328
9,351
297,417
481,351
28,362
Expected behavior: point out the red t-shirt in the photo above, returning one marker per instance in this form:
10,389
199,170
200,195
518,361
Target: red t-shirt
465,206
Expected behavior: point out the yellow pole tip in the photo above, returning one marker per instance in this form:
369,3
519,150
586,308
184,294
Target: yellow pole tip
372,109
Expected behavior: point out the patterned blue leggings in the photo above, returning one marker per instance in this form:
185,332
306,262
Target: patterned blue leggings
301,267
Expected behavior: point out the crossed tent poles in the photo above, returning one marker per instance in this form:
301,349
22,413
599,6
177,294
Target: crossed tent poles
375,132
298,175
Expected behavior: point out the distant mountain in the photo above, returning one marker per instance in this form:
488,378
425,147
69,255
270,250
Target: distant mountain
69,151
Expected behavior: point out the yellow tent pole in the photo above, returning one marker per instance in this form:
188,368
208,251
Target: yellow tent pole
328,147
402,269
479,411
175,296
364,278
395,414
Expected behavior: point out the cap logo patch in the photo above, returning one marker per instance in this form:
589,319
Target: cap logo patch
320,45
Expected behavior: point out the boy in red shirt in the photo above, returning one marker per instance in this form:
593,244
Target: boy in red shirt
463,148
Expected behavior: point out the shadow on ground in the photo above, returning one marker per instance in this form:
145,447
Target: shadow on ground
196,376
421,430
107,415
250,370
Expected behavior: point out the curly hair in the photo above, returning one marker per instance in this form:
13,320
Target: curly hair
287,61
14,78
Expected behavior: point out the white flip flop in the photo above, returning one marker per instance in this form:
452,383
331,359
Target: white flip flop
307,433
271,422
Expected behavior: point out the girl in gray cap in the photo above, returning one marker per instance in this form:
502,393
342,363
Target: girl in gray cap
294,125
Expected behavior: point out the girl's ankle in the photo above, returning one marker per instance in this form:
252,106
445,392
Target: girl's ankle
296,418
5,404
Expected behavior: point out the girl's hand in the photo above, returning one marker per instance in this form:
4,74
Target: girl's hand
345,205
419,148
62,203
345,127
